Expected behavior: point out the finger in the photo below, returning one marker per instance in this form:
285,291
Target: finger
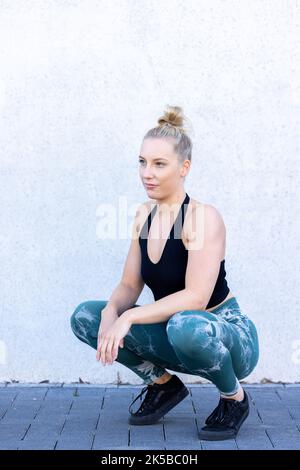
103,350
115,350
108,354
122,343
98,348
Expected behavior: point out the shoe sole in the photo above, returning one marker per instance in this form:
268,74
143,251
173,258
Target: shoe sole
162,411
221,435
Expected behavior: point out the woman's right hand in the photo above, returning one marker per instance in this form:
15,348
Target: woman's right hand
108,317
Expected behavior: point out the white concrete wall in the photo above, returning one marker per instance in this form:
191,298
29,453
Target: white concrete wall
80,84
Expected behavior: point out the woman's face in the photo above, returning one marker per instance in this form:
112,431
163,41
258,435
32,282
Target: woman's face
160,166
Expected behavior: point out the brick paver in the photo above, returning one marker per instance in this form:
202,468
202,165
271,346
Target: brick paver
80,416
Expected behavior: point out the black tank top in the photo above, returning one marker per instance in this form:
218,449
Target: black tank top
168,275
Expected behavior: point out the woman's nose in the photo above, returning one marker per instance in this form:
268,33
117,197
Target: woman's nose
147,171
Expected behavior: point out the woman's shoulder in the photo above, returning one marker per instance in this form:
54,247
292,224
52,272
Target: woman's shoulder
208,210
200,216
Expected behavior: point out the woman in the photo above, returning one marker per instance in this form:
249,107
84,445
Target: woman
195,325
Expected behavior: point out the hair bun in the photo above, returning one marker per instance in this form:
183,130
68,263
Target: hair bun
173,116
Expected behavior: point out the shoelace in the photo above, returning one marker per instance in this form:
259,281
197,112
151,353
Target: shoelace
147,400
224,412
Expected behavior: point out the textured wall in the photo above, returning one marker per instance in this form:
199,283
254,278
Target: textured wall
80,84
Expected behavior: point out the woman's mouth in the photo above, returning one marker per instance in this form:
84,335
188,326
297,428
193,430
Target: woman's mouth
150,186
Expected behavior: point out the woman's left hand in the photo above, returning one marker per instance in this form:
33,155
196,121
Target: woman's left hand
110,343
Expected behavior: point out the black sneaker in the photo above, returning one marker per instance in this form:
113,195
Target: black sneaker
226,419
159,399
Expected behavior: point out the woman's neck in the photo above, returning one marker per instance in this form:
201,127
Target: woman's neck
168,204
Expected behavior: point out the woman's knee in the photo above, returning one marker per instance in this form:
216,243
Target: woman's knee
86,318
75,317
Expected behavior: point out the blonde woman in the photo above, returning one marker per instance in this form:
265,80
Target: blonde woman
195,325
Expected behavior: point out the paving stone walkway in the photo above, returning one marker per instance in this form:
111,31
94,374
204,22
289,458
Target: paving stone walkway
81,416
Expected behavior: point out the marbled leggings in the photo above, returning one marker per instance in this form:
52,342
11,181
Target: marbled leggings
221,346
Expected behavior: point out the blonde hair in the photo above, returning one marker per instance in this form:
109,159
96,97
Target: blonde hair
170,126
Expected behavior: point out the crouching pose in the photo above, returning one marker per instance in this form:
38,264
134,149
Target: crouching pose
195,325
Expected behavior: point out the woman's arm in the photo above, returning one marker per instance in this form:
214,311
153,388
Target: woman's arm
122,298
164,308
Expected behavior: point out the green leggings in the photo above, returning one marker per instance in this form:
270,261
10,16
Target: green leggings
221,346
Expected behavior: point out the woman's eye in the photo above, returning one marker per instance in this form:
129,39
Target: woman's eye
158,163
